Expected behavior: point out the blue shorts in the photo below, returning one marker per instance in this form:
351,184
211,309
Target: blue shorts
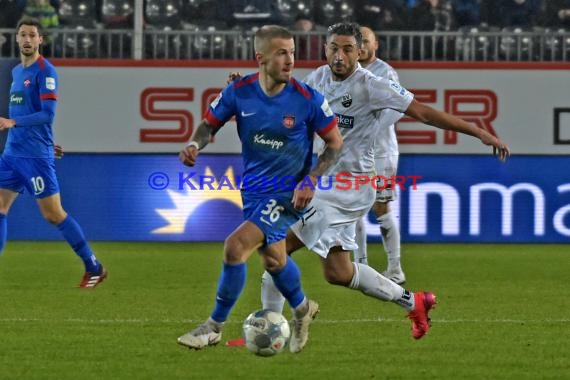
36,175
273,214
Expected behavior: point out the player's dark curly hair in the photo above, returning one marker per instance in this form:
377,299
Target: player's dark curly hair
30,21
346,29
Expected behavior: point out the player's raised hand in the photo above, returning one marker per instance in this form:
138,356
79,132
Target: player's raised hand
500,149
188,155
233,76
58,151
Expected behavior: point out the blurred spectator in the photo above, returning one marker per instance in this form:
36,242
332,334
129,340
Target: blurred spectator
9,16
432,15
254,12
471,12
518,13
117,14
328,12
11,13
381,14
46,14
556,14
308,45
43,11
207,12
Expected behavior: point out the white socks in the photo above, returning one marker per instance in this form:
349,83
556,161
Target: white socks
271,297
365,279
391,240
373,284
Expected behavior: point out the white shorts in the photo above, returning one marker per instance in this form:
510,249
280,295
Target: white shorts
386,167
331,219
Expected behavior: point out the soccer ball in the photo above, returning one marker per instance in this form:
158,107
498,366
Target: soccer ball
266,332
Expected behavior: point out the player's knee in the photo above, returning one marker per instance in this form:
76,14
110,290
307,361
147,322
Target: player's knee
54,217
234,249
272,264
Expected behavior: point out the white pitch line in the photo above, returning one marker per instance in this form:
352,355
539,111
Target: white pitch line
318,320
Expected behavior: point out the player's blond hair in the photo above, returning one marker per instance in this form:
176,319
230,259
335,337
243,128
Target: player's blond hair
267,33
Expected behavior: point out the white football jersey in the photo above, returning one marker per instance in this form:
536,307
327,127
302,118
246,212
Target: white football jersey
358,102
386,143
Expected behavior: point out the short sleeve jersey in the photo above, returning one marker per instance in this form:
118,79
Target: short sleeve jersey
30,87
276,132
357,102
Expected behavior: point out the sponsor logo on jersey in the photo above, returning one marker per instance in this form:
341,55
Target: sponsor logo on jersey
17,99
289,121
267,142
27,82
344,121
50,83
346,100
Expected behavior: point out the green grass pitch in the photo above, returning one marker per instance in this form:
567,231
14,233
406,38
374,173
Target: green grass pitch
503,313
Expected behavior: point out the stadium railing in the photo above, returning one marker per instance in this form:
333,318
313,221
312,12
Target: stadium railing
463,45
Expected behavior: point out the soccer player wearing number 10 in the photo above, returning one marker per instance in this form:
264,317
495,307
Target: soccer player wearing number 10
28,158
277,117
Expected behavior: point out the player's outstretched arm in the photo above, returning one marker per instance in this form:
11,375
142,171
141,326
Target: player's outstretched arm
443,120
200,139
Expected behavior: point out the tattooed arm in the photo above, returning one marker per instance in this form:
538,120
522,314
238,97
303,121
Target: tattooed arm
303,193
200,139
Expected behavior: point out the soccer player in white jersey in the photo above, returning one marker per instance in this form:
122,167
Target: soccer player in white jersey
328,228
386,161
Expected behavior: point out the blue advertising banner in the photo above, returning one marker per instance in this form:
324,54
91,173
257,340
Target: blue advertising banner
454,199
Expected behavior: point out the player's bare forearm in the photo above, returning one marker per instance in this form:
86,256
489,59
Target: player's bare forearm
433,117
330,155
202,134
442,120
325,161
200,139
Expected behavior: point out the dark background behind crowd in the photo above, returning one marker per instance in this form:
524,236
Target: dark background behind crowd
417,15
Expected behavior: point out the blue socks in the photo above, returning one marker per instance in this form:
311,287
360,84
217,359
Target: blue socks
3,232
230,286
73,233
288,281
232,282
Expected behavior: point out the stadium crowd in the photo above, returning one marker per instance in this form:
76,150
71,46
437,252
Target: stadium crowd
308,18
416,15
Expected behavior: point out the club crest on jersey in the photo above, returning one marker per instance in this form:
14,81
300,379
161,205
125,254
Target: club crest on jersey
27,82
346,100
289,121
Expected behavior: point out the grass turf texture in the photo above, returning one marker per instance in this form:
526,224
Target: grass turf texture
502,314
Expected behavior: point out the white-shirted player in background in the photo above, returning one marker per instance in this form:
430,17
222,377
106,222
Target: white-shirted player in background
386,159
328,228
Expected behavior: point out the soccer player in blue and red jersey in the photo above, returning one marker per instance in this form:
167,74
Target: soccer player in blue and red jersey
277,117
28,158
